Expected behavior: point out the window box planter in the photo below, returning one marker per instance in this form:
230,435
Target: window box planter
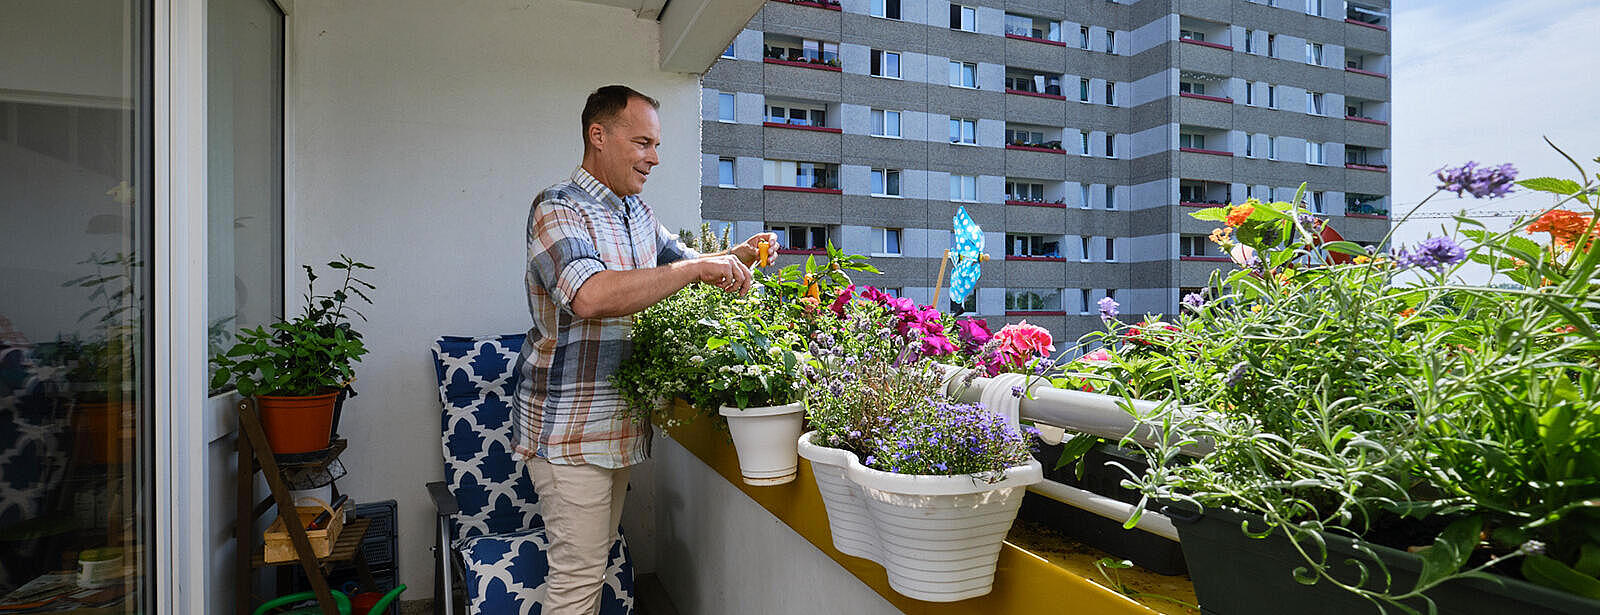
937,537
813,65
1236,574
764,438
1146,549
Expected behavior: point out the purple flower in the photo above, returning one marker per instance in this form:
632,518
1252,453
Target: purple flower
1108,308
1480,182
1434,253
1016,391
1236,374
1194,301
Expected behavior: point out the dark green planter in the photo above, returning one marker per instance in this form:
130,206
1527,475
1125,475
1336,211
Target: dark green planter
1235,574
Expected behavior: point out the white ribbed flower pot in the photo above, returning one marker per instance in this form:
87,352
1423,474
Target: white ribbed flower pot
848,523
941,535
764,438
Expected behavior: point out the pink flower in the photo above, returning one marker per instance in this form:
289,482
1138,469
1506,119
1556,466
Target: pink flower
1021,342
973,332
900,305
1098,356
871,293
936,346
925,318
845,295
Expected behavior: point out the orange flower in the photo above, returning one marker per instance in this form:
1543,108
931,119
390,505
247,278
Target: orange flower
1222,236
1362,260
1406,313
1565,330
1563,226
1239,213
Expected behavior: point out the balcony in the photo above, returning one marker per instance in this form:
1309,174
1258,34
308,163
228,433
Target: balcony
801,52
1366,206
1041,85
828,5
1034,29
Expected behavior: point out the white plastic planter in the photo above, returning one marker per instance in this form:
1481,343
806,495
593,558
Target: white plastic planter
938,537
848,522
765,439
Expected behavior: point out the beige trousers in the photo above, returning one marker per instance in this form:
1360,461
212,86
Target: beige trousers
581,506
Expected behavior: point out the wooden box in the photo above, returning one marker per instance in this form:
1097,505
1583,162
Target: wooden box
280,548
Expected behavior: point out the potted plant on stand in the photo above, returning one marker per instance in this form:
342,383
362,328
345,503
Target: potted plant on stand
296,369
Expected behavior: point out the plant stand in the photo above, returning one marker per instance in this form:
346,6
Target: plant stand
255,455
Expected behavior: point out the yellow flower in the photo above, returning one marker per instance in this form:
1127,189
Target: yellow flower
1362,260
1256,308
1222,237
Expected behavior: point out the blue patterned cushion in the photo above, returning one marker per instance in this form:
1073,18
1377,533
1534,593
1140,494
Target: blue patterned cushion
506,575
477,377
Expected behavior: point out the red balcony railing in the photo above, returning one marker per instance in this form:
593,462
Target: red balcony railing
1204,97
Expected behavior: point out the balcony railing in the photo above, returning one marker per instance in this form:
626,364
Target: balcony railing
1360,209
831,5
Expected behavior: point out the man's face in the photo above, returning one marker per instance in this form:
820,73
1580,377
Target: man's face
626,151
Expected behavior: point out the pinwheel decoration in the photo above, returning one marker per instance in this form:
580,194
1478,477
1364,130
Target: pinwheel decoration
966,254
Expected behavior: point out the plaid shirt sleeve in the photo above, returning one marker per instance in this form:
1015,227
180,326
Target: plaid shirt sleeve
670,249
561,254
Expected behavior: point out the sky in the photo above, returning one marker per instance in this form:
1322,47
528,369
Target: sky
1486,80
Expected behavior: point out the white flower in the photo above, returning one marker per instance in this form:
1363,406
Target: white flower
697,359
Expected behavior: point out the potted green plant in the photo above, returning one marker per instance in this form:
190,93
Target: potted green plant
297,368
1385,434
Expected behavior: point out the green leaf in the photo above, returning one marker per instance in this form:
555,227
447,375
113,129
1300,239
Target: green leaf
1554,574
1449,551
715,343
1588,559
1551,184
1345,247
1213,214
1074,448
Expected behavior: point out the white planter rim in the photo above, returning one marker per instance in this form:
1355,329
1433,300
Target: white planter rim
752,411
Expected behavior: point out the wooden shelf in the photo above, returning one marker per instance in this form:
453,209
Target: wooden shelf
344,550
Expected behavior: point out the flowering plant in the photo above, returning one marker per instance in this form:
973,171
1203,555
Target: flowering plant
871,388
1351,397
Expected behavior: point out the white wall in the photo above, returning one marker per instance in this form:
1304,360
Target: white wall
423,131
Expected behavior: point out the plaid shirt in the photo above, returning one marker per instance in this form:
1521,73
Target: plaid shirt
566,409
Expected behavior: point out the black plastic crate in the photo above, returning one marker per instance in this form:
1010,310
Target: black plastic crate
384,514
380,544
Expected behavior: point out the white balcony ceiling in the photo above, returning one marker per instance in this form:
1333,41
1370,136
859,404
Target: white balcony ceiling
693,32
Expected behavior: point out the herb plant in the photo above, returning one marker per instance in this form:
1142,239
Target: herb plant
308,355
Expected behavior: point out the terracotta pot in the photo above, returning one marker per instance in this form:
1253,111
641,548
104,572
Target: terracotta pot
297,424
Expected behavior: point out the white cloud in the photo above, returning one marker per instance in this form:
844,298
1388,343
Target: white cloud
1485,82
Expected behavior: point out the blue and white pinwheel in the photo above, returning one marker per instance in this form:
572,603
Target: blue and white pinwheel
965,255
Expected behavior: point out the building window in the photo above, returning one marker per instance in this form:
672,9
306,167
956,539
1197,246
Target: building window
1316,203
885,123
796,115
885,64
889,244
725,176
1272,96
1083,244
964,188
1083,196
1083,302
1111,93
800,237
1111,41
1188,140
1040,246
1250,93
1314,103
1249,145
1033,300
963,18
793,174
1272,45
1191,87
1314,153
728,53
1083,90
725,107
963,131
1024,191
1272,148
1314,7
888,9
963,74
1083,139
1191,35
809,50
1314,54
885,182
1249,41
1111,249
1031,27
1111,197
1023,136
1190,246
1111,145
1083,37
893,291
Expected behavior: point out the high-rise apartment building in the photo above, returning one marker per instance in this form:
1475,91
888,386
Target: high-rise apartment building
1078,133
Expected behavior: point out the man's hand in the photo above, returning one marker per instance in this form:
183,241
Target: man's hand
751,248
724,271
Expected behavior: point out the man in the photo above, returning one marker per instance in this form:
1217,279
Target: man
596,256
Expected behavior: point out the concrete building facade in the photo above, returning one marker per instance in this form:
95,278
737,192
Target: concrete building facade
1078,133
